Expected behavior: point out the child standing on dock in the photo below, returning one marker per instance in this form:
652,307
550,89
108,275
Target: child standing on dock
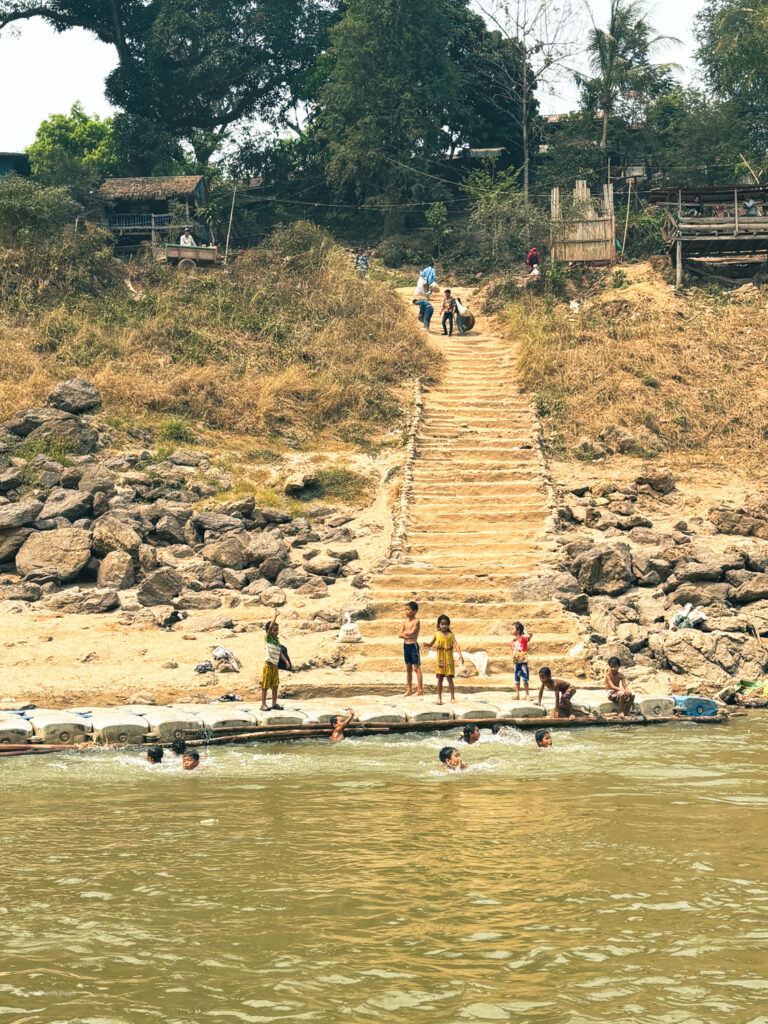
409,634
445,643
617,688
519,647
270,677
563,691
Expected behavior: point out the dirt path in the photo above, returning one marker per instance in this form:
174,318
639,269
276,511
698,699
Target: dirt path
477,519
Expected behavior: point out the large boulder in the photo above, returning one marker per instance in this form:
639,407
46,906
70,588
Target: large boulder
605,569
710,658
168,528
76,395
10,479
754,589
658,478
112,534
216,523
58,555
229,552
66,504
738,522
11,541
300,476
291,578
650,567
28,420
70,432
702,593
264,546
84,602
96,479
322,565
621,440
19,513
116,571
160,587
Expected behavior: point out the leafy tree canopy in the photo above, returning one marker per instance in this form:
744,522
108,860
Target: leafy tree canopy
76,150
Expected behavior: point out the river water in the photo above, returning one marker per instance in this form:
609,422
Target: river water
620,876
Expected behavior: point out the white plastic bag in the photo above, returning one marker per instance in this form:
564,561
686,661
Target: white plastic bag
349,632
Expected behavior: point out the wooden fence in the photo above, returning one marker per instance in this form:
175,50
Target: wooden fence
592,237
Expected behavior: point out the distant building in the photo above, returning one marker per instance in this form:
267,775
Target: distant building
14,163
144,207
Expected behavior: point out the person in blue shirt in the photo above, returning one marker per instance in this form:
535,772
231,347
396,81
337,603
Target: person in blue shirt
427,278
426,309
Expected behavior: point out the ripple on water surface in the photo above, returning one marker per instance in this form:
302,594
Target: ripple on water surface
619,876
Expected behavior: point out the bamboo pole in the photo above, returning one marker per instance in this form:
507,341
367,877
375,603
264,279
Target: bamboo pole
229,226
626,220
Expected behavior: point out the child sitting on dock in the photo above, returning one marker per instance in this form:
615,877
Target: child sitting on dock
445,643
270,677
409,634
617,688
339,724
519,648
563,691
543,738
155,755
451,760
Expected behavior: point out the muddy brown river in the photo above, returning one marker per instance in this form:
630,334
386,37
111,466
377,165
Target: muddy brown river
620,876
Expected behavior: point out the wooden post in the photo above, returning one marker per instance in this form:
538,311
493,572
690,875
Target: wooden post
679,279
735,212
229,226
154,239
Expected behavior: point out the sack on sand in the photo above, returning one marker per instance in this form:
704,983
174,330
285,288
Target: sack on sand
349,633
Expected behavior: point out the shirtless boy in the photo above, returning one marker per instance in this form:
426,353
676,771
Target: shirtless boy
409,634
617,688
563,691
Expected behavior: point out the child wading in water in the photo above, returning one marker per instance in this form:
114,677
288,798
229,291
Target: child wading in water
409,634
445,644
519,647
270,677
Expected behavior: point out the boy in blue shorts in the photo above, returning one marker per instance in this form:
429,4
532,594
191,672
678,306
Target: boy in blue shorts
409,634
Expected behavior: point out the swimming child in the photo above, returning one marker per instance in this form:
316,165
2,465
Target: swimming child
339,724
190,760
155,755
445,643
178,747
409,634
451,760
543,738
270,677
519,647
470,734
563,691
617,688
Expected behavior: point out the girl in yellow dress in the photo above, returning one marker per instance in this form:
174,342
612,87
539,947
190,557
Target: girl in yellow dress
445,644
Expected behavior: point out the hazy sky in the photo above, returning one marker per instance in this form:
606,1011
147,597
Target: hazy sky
42,72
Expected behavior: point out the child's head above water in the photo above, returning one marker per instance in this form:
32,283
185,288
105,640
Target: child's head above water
443,620
470,733
190,760
178,747
450,757
542,737
154,755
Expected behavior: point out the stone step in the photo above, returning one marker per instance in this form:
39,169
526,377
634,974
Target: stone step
559,663
379,644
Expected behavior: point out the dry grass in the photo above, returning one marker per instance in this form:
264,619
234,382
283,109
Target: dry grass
287,343
692,369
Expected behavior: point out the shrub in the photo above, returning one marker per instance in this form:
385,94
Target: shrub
175,428
398,250
29,210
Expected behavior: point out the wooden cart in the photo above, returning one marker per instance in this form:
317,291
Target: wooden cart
188,257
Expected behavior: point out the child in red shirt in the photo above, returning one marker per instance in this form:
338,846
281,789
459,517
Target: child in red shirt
519,648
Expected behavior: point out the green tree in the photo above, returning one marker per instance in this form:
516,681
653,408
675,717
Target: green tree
620,61
733,51
193,70
76,150
388,94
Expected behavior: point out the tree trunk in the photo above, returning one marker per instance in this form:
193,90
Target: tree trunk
604,140
525,125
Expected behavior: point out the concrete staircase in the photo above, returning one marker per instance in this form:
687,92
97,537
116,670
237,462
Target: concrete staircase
476,522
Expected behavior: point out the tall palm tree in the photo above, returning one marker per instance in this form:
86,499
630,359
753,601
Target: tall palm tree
619,54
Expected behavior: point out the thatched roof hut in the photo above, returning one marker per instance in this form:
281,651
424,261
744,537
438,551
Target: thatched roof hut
190,187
